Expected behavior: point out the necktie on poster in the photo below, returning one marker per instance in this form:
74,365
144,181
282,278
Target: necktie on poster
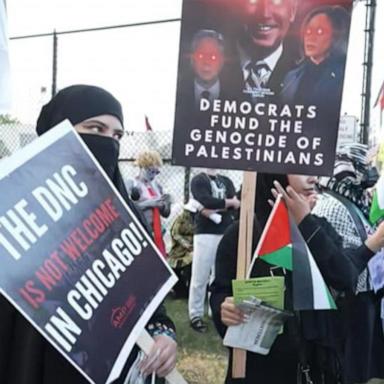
206,95
258,74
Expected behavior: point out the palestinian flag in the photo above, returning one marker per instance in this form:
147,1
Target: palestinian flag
282,245
377,207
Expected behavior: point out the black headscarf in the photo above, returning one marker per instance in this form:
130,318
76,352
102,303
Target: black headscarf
78,103
350,175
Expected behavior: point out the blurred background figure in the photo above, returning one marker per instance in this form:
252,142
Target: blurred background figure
180,255
148,194
214,192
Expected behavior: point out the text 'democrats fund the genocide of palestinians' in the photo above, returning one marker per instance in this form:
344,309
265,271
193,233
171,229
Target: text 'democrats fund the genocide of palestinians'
256,96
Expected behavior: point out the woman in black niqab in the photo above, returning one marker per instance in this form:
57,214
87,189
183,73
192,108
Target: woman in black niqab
82,103
25,356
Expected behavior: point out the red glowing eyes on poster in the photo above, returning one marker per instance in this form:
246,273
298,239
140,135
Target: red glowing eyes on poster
319,25
208,50
319,31
202,57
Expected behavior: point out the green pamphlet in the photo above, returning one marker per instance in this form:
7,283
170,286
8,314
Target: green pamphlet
268,289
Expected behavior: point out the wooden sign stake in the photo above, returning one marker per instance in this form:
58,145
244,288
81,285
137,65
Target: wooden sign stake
244,253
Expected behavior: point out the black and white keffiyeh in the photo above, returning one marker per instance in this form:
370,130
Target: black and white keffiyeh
348,180
351,167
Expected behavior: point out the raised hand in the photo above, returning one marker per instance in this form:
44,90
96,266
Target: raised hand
298,205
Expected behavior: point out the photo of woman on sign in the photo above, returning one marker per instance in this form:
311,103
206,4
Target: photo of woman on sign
318,78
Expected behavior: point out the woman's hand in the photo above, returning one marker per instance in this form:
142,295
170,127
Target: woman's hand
162,358
297,204
230,314
376,241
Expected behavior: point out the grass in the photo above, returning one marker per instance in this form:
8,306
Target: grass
201,357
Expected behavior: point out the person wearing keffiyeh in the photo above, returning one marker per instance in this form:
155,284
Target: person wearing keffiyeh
345,204
351,176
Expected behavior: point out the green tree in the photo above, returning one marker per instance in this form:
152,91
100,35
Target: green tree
8,119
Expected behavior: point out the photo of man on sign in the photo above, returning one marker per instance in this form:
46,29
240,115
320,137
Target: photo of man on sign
263,59
207,61
281,85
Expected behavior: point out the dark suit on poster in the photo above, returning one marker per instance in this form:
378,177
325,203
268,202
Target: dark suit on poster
320,85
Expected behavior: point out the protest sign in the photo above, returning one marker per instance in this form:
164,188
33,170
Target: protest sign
261,93
75,260
348,130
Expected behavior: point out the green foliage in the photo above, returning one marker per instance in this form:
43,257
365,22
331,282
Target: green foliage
208,342
8,119
202,359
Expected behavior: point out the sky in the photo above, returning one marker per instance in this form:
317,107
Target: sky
138,64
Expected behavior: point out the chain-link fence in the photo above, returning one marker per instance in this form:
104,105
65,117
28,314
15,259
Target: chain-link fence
174,179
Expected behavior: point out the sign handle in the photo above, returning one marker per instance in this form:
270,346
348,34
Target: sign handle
244,252
145,342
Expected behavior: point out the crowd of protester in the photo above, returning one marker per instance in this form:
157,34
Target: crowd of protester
317,346
324,346
340,346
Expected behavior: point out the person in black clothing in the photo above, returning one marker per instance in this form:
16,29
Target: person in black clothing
311,338
345,202
214,192
25,356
